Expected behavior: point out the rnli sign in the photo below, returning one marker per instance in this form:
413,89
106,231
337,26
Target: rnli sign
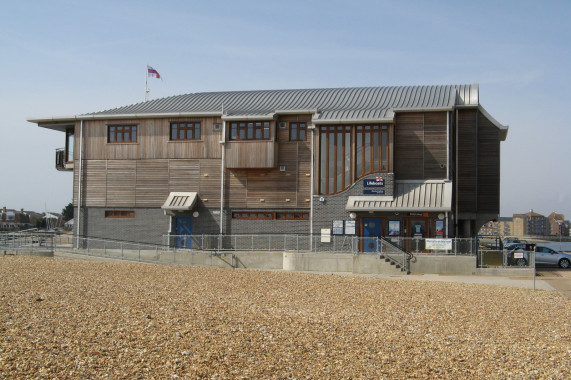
375,182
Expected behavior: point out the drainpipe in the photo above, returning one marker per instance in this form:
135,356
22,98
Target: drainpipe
311,188
79,187
448,147
222,166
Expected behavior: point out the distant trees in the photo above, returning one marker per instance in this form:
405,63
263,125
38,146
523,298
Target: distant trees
67,212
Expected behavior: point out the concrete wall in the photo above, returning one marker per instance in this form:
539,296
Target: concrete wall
444,264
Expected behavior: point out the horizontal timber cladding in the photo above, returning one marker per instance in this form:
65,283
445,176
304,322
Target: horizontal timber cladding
152,180
121,182
420,145
153,140
209,182
435,145
467,173
488,166
147,183
251,154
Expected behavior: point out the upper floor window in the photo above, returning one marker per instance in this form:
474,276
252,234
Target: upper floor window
342,161
372,145
185,131
250,130
335,158
297,131
121,133
69,141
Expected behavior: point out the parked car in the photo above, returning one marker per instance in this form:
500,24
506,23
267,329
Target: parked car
544,256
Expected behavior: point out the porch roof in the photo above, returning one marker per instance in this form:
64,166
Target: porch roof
180,201
416,196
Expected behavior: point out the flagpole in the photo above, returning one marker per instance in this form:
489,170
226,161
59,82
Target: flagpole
146,79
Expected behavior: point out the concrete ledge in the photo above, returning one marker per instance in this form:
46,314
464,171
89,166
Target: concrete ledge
511,272
445,264
318,262
32,252
372,264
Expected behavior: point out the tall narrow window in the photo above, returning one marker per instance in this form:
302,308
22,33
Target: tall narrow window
372,149
69,141
121,133
335,158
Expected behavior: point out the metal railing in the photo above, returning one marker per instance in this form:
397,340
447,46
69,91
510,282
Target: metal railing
490,258
28,241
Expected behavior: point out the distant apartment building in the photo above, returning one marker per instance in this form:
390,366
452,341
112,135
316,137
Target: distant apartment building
11,220
489,229
530,223
558,225
505,226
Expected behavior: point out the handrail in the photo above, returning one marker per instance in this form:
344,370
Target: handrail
407,256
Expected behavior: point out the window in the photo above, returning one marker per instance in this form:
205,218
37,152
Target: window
252,215
121,134
69,141
297,131
250,130
185,131
270,215
335,158
292,216
338,167
372,142
119,214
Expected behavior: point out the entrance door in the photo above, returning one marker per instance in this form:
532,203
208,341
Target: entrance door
418,230
183,230
371,231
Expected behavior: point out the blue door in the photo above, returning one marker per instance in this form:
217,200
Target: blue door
183,231
371,231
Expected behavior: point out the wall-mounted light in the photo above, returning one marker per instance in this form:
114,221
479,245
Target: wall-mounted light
322,199
352,215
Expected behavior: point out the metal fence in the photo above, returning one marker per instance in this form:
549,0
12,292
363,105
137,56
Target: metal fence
18,241
489,258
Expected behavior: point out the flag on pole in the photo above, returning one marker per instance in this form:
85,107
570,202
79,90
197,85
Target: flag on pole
152,72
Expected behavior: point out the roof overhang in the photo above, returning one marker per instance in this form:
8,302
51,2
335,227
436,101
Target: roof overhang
410,196
351,121
180,201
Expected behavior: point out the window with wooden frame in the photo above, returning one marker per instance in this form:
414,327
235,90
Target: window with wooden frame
297,131
250,130
259,215
335,158
252,215
372,149
292,215
119,214
121,134
185,131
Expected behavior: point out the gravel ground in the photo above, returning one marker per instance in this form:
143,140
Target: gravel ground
64,318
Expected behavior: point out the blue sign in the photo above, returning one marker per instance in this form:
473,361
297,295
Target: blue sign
374,191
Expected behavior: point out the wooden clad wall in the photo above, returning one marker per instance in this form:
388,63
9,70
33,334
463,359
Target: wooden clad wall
488,166
435,145
147,183
420,145
143,174
153,141
467,155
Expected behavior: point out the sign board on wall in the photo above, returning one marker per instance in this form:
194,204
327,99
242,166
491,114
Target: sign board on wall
376,182
350,227
326,235
337,227
439,244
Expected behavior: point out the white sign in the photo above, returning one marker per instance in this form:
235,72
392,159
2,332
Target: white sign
439,244
518,255
350,227
326,235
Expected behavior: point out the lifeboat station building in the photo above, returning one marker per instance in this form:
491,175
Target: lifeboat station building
413,161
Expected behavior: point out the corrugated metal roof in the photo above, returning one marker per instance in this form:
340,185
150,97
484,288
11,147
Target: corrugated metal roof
359,103
409,196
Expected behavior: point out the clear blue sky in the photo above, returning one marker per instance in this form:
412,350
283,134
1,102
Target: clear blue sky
67,57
